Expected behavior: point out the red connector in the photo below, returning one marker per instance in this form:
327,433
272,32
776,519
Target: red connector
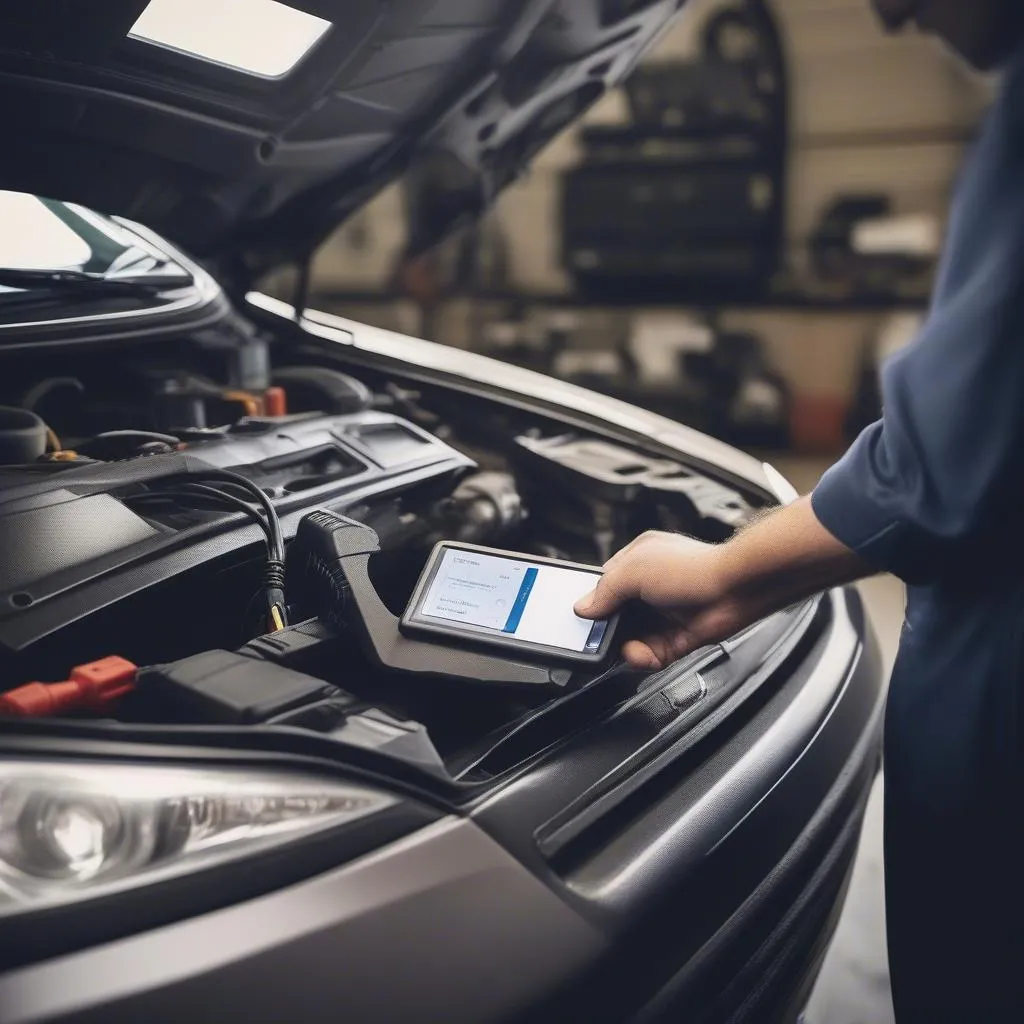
275,402
91,686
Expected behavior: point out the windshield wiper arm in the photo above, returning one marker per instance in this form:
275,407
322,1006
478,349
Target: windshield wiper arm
79,280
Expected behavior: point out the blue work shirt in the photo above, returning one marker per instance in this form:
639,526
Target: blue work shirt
934,492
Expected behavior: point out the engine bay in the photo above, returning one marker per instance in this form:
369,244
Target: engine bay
134,521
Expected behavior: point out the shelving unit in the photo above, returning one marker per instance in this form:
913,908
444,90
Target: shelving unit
781,301
669,398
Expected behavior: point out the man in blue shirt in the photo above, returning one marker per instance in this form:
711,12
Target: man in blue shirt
933,492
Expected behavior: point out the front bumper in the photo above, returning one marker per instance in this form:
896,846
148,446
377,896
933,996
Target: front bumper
443,926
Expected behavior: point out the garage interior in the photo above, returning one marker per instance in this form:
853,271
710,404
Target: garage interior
802,163
735,238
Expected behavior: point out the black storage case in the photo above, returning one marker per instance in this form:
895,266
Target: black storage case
706,221
687,201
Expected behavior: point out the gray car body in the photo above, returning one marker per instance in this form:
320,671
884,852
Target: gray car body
451,924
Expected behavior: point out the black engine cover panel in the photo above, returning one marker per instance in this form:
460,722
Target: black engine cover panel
73,538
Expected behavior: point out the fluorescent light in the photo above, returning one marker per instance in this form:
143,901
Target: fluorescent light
261,37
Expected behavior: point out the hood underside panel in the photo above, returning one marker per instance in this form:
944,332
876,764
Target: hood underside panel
234,164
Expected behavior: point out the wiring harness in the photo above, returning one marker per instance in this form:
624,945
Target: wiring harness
220,487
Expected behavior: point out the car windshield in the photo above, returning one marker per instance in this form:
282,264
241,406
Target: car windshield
47,244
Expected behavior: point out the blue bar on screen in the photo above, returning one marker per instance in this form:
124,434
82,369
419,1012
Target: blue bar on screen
519,605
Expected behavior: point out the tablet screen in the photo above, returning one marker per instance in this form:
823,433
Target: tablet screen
512,597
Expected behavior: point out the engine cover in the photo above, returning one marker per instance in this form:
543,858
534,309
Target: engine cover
75,537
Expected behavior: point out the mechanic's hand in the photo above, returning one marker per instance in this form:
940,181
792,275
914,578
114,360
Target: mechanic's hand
681,579
708,592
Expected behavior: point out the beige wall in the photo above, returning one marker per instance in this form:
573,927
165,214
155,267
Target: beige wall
868,113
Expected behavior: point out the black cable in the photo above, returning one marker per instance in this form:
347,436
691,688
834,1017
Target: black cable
212,494
273,581
260,496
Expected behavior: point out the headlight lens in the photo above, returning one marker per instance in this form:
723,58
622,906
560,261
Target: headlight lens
73,830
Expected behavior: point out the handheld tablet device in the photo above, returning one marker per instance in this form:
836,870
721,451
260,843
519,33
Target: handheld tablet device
504,599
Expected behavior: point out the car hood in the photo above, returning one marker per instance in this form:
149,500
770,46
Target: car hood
247,130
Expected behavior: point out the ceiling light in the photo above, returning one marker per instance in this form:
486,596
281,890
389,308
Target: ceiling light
261,37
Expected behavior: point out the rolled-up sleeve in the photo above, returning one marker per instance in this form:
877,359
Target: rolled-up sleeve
921,485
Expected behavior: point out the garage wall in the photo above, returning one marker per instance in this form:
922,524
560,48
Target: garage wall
868,113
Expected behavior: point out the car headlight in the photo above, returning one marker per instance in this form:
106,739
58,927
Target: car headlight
72,830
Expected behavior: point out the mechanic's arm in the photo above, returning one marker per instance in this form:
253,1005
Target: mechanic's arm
922,487
708,592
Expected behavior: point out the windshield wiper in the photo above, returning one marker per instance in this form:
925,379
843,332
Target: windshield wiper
82,282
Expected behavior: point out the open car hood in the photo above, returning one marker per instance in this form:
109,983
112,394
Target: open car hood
253,169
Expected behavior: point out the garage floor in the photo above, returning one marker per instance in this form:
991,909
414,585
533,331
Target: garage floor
854,983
